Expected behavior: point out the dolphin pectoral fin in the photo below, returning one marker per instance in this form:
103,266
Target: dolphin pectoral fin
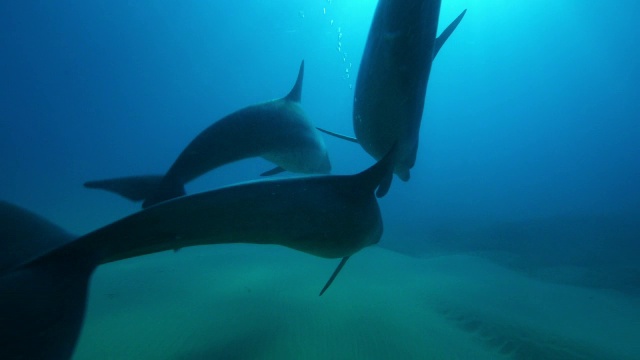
339,136
384,186
335,273
296,92
134,188
440,40
274,171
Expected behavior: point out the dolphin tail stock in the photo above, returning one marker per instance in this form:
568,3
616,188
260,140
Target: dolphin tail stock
276,170
43,301
440,40
134,188
167,190
295,94
335,273
339,136
380,174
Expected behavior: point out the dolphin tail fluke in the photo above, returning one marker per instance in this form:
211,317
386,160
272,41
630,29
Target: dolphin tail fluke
440,40
333,276
134,188
43,301
339,136
379,175
296,92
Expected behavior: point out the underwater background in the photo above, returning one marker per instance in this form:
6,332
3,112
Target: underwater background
518,235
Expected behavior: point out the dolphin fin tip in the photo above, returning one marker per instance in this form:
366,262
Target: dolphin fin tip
335,273
442,38
296,92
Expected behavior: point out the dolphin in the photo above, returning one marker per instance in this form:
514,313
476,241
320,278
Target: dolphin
43,283
392,79
277,130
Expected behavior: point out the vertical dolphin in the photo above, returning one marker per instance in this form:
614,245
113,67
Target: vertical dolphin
277,130
393,76
43,284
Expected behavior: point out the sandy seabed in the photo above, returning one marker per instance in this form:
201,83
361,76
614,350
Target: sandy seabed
261,302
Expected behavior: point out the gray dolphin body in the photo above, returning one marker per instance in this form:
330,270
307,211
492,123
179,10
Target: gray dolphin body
277,130
43,283
393,75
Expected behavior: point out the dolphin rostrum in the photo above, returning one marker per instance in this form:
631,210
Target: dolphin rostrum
392,79
277,130
45,271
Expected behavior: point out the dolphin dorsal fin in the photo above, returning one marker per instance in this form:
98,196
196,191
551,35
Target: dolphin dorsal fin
379,175
296,92
440,40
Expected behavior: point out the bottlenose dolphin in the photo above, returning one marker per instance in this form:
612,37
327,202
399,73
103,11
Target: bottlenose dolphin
277,130
43,286
392,79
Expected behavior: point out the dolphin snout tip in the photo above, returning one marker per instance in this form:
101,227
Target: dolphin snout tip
403,174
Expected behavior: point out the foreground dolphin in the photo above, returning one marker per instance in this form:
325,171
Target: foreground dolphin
393,75
277,130
45,271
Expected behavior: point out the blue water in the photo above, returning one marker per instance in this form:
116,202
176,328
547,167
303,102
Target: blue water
529,142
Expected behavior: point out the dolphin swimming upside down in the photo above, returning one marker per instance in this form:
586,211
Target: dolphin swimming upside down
44,271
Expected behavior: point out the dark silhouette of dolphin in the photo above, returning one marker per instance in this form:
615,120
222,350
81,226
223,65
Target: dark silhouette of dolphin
45,271
277,130
393,76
